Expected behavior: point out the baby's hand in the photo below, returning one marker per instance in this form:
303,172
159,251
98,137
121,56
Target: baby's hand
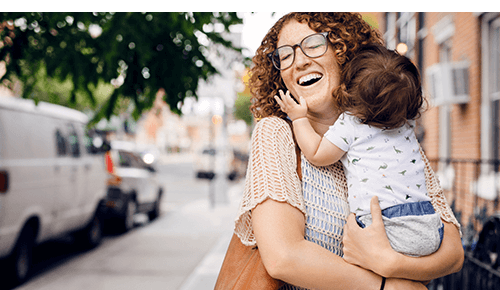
290,107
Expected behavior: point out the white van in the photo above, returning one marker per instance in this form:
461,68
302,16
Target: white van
50,183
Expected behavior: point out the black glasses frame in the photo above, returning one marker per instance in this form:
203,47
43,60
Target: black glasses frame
270,55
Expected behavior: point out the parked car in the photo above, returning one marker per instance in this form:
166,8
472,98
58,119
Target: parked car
132,187
205,163
51,184
209,159
238,167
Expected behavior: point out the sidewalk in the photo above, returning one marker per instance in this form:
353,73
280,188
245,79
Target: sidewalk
205,274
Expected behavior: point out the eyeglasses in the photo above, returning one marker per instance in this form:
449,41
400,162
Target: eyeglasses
314,45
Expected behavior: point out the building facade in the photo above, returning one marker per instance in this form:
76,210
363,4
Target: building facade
458,55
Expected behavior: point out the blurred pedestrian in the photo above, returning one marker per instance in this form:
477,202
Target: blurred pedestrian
298,225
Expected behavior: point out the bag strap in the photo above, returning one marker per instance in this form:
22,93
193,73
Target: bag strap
299,162
297,150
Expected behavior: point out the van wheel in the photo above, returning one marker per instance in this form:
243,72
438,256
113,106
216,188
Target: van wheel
21,258
91,236
127,220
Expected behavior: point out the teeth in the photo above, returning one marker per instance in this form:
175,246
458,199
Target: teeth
309,77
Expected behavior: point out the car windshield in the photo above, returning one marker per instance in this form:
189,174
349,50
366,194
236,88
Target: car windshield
209,151
129,159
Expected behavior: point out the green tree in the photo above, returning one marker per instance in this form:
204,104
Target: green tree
242,108
138,53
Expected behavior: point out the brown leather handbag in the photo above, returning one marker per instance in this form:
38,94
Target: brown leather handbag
242,268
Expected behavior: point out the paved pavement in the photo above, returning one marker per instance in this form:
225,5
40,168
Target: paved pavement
205,274
182,250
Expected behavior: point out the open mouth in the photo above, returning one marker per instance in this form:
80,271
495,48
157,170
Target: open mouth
309,79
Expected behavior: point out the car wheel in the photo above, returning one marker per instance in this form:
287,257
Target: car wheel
91,236
155,212
21,259
127,220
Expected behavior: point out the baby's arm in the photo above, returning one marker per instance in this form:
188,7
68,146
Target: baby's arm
318,150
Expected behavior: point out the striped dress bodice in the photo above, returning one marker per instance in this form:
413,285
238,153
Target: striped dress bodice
326,205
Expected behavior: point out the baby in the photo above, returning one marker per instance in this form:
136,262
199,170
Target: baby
379,98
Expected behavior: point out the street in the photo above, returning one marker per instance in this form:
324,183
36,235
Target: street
183,249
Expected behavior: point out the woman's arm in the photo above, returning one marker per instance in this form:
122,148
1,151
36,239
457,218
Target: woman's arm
279,231
378,256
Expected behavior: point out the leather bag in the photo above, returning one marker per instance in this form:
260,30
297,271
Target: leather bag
242,268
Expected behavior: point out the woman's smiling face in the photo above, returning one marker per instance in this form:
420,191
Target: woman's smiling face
312,78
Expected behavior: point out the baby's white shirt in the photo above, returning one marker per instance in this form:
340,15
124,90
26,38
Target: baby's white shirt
385,163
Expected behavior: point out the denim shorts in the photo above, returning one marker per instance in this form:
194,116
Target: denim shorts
413,229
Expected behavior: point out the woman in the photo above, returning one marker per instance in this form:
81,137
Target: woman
278,209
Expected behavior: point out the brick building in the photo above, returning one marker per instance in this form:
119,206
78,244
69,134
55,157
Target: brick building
458,54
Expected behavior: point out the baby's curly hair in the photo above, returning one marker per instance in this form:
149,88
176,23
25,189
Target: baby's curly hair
347,33
380,87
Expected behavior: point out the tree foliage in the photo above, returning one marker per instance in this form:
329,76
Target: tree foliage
242,108
138,53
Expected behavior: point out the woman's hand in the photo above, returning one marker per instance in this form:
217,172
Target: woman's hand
290,107
369,248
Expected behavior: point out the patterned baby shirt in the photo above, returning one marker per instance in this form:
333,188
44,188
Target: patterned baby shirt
385,163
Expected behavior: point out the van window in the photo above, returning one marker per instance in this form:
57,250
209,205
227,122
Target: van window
74,143
87,141
61,143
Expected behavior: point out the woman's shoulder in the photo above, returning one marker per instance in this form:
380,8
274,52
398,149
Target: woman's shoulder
272,139
272,121
273,125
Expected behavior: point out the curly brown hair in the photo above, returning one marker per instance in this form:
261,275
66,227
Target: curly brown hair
380,87
347,33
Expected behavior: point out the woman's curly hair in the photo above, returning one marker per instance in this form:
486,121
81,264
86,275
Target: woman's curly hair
347,33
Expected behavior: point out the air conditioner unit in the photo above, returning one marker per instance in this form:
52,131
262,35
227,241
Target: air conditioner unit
448,83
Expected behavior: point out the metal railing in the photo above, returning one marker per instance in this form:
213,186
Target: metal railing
475,275
472,187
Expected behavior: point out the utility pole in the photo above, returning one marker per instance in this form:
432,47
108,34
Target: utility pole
211,193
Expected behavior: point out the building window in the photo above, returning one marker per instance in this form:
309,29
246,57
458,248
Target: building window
494,85
421,34
490,88
401,32
407,33
390,32
443,32
445,110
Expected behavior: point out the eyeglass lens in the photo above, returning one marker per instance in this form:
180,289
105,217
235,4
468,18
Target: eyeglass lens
312,46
